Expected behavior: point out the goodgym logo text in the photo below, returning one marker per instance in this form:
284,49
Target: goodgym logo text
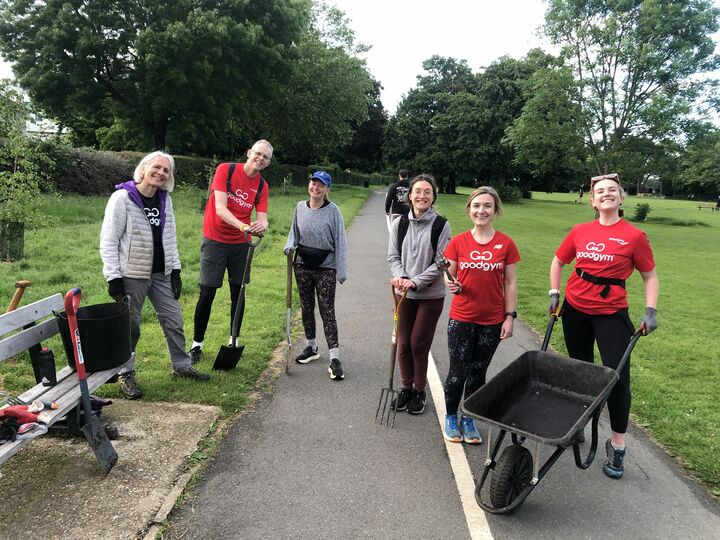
481,261
594,252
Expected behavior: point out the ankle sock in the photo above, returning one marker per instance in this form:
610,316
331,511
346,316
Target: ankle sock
197,344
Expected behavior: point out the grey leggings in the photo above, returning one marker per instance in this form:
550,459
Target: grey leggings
320,281
471,348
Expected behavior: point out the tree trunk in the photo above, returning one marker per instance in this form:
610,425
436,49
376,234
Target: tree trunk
12,240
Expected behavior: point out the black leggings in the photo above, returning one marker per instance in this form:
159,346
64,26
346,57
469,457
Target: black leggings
471,348
204,307
612,333
320,281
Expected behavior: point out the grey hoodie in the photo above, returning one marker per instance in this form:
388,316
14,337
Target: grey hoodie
415,261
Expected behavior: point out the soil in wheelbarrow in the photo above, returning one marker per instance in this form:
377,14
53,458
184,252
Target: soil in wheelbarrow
543,396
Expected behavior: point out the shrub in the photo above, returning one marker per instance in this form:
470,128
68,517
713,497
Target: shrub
641,212
509,194
89,172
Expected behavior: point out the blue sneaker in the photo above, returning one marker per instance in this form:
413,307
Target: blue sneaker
613,466
452,430
469,432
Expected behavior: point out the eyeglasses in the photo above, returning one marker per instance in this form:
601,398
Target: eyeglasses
261,156
612,176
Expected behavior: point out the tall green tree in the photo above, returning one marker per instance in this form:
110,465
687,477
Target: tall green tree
547,136
365,150
700,163
152,71
633,61
314,114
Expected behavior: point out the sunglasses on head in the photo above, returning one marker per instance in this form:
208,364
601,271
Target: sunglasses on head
612,176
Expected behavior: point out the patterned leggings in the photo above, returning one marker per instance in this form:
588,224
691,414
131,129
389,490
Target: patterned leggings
320,281
471,348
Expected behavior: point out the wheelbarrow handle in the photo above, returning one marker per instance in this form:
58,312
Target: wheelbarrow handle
551,323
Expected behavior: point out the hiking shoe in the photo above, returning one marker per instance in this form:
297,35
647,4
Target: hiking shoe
614,463
190,373
195,354
335,370
416,405
129,386
469,432
451,432
400,403
308,355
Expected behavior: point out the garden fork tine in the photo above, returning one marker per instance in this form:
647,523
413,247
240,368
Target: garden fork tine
386,394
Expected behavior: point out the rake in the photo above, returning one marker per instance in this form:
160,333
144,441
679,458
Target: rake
382,414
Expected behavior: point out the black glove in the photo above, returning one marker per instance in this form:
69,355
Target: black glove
176,283
554,302
116,289
649,321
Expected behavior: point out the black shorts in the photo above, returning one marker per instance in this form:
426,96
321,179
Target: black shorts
215,257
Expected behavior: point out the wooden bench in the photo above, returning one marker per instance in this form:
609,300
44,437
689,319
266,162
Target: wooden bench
17,337
711,206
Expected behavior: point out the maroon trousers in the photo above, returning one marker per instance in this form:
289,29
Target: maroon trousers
417,320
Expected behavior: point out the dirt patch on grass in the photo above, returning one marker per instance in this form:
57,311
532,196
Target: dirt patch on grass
54,487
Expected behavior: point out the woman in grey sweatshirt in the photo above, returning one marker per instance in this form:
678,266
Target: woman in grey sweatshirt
412,252
318,236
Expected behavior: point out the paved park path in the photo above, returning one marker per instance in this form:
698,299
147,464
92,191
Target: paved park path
309,462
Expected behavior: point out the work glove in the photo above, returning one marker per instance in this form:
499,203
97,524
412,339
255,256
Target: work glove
554,303
649,321
176,283
116,289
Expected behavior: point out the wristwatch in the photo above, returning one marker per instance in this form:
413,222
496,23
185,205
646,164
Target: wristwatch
512,314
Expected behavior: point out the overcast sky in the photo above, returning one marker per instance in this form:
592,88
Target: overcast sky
404,33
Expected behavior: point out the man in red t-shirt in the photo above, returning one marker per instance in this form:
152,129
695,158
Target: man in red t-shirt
226,228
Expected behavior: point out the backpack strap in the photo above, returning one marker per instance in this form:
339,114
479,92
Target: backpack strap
437,227
231,170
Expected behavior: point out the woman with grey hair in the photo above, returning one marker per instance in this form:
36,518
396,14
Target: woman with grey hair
138,247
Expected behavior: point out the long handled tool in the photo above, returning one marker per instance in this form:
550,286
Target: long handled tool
389,393
20,287
288,322
94,432
229,355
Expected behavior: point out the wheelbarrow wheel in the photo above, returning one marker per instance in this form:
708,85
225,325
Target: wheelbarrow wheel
513,473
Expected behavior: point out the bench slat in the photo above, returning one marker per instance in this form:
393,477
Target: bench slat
30,313
23,340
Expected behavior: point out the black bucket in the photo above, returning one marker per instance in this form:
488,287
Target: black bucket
104,335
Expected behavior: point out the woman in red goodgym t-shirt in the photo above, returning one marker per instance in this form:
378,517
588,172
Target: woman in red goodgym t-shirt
606,251
483,264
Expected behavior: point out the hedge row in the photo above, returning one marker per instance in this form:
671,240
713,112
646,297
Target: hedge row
90,172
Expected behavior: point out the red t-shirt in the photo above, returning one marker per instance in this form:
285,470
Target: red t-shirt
240,203
609,251
481,270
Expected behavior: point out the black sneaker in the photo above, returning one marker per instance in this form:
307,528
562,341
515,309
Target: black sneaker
335,370
190,373
613,466
416,405
400,403
195,354
308,355
129,386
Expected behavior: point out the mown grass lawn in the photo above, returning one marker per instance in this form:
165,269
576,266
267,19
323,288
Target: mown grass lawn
676,379
675,372
63,252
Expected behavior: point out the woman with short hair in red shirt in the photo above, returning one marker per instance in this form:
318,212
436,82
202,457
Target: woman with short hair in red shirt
606,252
